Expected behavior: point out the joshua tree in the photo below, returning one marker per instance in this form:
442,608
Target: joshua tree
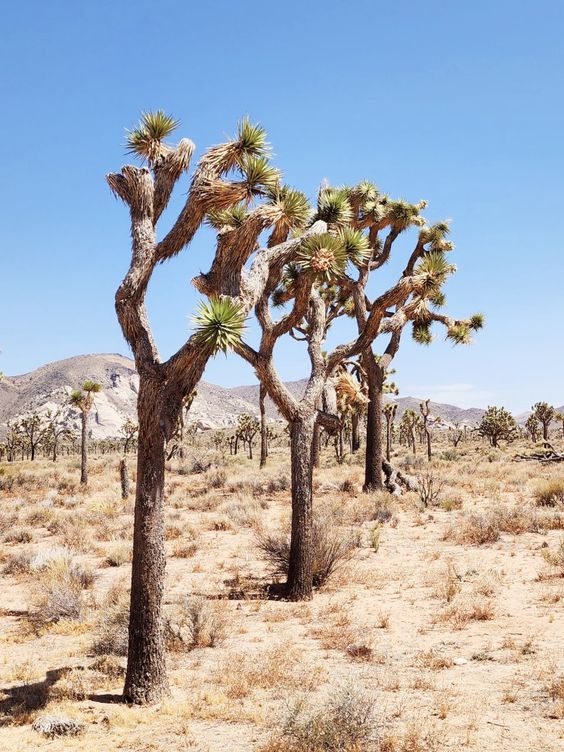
544,413
390,409
263,427
225,181
408,424
425,411
83,399
247,429
128,431
57,431
325,279
560,418
33,428
532,427
498,424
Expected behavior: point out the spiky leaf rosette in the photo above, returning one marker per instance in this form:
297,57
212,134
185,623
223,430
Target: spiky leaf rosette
146,141
437,299
421,332
476,321
91,386
333,207
356,245
432,271
323,255
259,175
435,237
401,214
232,217
219,324
293,205
460,333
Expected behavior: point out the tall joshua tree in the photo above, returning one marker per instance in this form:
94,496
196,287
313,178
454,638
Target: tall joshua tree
327,278
83,399
222,187
544,413
390,409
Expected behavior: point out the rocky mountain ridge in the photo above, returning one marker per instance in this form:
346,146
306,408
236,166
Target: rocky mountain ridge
49,387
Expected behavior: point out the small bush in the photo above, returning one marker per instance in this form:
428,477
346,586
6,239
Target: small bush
346,723
555,558
477,529
550,493
217,478
198,624
59,594
383,507
113,625
429,489
282,483
19,535
331,549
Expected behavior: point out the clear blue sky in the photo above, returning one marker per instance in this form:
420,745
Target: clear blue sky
456,102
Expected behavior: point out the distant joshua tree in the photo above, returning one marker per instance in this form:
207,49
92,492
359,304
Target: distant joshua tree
247,428
129,431
408,425
83,399
498,424
544,413
560,418
389,410
425,411
532,426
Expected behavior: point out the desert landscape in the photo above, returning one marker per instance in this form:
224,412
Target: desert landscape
440,626
281,404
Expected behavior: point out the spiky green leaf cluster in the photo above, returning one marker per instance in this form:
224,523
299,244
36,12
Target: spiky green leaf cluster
356,244
434,237
322,255
146,141
460,333
421,332
333,207
294,205
232,217
260,176
251,139
476,321
432,271
219,324
401,214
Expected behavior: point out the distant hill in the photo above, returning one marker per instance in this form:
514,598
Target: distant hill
214,406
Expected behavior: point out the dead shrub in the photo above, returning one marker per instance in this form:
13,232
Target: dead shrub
345,723
331,549
113,624
59,594
550,493
198,623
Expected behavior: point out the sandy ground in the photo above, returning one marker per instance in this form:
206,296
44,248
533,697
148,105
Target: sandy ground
462,643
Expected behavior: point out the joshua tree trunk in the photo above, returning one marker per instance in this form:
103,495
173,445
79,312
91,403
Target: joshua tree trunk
146,681
373,462
84,448
316,446
124,478
263,427
300,571
355,432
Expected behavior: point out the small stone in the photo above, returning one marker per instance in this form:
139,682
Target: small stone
460,661
57,725
359,651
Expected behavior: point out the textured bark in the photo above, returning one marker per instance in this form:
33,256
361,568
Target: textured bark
373,459
84,448
316,445
300,572
263,427
146,681
124,478
355,432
